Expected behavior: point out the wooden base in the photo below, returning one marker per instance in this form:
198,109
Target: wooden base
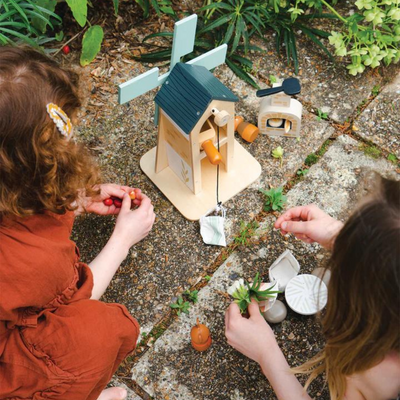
245,170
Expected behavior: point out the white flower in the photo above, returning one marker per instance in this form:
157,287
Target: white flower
239,284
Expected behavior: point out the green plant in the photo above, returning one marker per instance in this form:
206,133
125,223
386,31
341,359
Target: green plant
370,150
243,293
246,232
311,159
274,199
180,306
375,90
392,158
321,115
302,172
278,153
191,295
159,6
272,79
26,21
207,278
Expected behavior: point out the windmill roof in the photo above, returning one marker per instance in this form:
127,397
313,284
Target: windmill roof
188,91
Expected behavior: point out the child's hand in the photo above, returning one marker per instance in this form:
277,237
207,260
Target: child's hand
309,224
96,205
252,336
133,225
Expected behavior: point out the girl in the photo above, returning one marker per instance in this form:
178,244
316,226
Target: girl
361,324
57,341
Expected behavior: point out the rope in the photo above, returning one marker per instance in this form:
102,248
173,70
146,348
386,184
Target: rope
218,202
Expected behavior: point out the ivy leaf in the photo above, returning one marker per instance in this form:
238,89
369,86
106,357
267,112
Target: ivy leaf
91,44
79,10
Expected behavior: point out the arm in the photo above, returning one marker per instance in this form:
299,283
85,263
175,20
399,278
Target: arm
310,224
255,339
131,227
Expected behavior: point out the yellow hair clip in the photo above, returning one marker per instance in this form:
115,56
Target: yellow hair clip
61,120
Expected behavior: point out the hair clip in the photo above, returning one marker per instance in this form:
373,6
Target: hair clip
63,123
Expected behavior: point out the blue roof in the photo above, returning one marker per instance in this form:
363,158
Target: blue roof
188,91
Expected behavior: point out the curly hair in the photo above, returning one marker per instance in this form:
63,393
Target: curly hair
39,169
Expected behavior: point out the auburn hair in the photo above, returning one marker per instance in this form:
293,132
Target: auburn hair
362,318
39,169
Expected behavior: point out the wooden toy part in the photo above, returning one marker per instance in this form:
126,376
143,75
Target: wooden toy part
222,118
288,126
289,86
247,131
200,337
213,154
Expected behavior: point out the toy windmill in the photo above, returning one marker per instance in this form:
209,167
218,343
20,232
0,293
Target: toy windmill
195,130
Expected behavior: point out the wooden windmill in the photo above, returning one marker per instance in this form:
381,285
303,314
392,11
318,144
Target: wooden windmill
195,131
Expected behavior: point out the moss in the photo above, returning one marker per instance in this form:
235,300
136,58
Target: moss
311,159
370,150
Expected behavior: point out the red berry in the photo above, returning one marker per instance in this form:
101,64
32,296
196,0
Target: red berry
66,49
117,203
108,202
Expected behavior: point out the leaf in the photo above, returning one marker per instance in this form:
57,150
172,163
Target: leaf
116,5
59,36
40,22
218,22
91,44
79,10
214,6
159,34
241,73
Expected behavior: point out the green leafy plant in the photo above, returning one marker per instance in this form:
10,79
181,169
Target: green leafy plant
26,21
191,295
392,158
243,293
274,199
246,232
273,79
311,159
321,115
207,278
278,153
180,306
302,172
159,6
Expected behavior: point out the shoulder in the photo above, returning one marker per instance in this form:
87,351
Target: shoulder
381,382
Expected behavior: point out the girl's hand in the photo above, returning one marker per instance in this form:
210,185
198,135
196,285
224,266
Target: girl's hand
253,336
310,224
133,225
95,205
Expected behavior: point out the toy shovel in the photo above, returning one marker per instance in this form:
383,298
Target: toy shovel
289,86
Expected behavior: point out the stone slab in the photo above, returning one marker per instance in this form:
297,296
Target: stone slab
380,121
172,369
131,394
173,257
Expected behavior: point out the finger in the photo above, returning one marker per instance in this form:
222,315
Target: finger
254,310
234,312
288,215
296,227
126,203
145,204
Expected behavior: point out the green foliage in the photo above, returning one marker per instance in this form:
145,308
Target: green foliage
91,44
246,232
302,172
274,199
180,306
370,150
191,295
79,10
321,115
207,278
392,158
278,153
243,293
311,159
375,90
25,21
159,6
272,79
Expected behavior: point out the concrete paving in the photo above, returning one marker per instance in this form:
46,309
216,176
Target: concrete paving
172,369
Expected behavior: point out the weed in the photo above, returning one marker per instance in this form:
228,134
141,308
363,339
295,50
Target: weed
181,306
311,159
321,115
370,150
278,153
302,172
375,90
274,199
272,79
191,296
392,158
246,232
207,278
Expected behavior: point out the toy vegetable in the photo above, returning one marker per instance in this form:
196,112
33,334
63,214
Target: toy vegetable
200,337
243,293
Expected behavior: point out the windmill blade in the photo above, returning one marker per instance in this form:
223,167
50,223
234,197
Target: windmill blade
211,59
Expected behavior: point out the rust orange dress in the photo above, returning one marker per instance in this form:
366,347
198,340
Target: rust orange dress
55,343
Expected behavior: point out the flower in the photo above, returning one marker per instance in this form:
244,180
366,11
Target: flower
236,286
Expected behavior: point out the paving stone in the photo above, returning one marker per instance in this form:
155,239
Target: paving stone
173,256
380,121
171,368
131,394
